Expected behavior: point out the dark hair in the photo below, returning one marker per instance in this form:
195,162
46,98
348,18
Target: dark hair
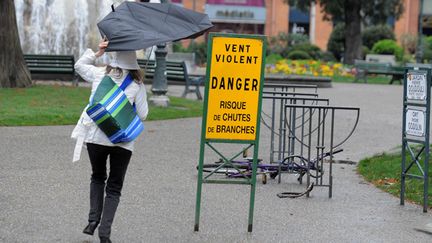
137,75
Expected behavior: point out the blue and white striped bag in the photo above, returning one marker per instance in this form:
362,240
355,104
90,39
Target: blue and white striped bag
111,110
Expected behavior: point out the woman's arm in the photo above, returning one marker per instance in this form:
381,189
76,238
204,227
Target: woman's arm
141,103
85,65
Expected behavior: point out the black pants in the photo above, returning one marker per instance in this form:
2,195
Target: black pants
101,210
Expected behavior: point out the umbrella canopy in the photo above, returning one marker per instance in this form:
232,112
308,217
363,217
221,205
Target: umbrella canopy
134,26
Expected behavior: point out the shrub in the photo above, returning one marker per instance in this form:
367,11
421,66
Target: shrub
409,43
427,55
277,44
375,33
200,50
427,49
327,57
389,47
365,51
297,39
428,42
407,58
273,58
336,43
178,47
282,43
298,55
312,50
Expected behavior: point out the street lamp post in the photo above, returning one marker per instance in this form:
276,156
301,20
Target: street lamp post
159,85
419,51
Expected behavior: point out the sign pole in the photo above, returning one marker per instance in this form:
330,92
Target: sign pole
404,144
416,128
199,187
426,159
253,187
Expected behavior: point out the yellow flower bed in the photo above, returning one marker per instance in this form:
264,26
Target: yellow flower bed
308,67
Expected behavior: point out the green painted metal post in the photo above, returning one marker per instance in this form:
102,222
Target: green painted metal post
199,188
426,159
256,149
202,147
404,144
253,189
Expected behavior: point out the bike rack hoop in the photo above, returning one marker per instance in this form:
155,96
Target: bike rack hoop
325,110
280,86
296,98
304,86
284,93
323,107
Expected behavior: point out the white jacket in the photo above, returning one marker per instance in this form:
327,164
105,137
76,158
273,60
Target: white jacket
86,131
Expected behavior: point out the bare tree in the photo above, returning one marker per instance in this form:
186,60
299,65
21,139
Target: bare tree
13,68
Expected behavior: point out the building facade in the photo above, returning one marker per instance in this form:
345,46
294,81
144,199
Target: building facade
270,17
266,17
409,21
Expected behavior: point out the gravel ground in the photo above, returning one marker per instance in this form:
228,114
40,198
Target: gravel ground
44,197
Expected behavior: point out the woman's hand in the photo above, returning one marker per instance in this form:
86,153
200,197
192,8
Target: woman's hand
102,46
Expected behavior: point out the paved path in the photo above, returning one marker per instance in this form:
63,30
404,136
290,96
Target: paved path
43,196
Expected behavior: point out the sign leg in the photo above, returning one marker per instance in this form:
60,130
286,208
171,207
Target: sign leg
252,202
199,188
402,192
426,177
198,202
253,187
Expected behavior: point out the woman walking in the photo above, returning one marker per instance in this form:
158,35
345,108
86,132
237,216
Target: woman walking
105,190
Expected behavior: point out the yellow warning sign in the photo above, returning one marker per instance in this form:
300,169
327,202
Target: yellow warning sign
234,88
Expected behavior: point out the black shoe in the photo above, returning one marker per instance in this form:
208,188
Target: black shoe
105,240
91,227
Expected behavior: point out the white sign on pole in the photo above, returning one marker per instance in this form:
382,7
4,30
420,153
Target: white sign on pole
415,123
416,86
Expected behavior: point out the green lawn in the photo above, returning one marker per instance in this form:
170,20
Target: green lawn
62,105
384,171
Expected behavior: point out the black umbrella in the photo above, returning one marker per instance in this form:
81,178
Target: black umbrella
134,26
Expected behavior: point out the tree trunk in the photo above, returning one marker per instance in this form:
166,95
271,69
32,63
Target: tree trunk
353,39
13,68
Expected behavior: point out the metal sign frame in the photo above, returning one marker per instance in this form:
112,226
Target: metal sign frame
419,103
206,142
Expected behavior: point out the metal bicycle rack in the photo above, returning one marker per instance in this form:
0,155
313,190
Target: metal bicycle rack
289,87
285,144
292,117
280,95
312,137
302,125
